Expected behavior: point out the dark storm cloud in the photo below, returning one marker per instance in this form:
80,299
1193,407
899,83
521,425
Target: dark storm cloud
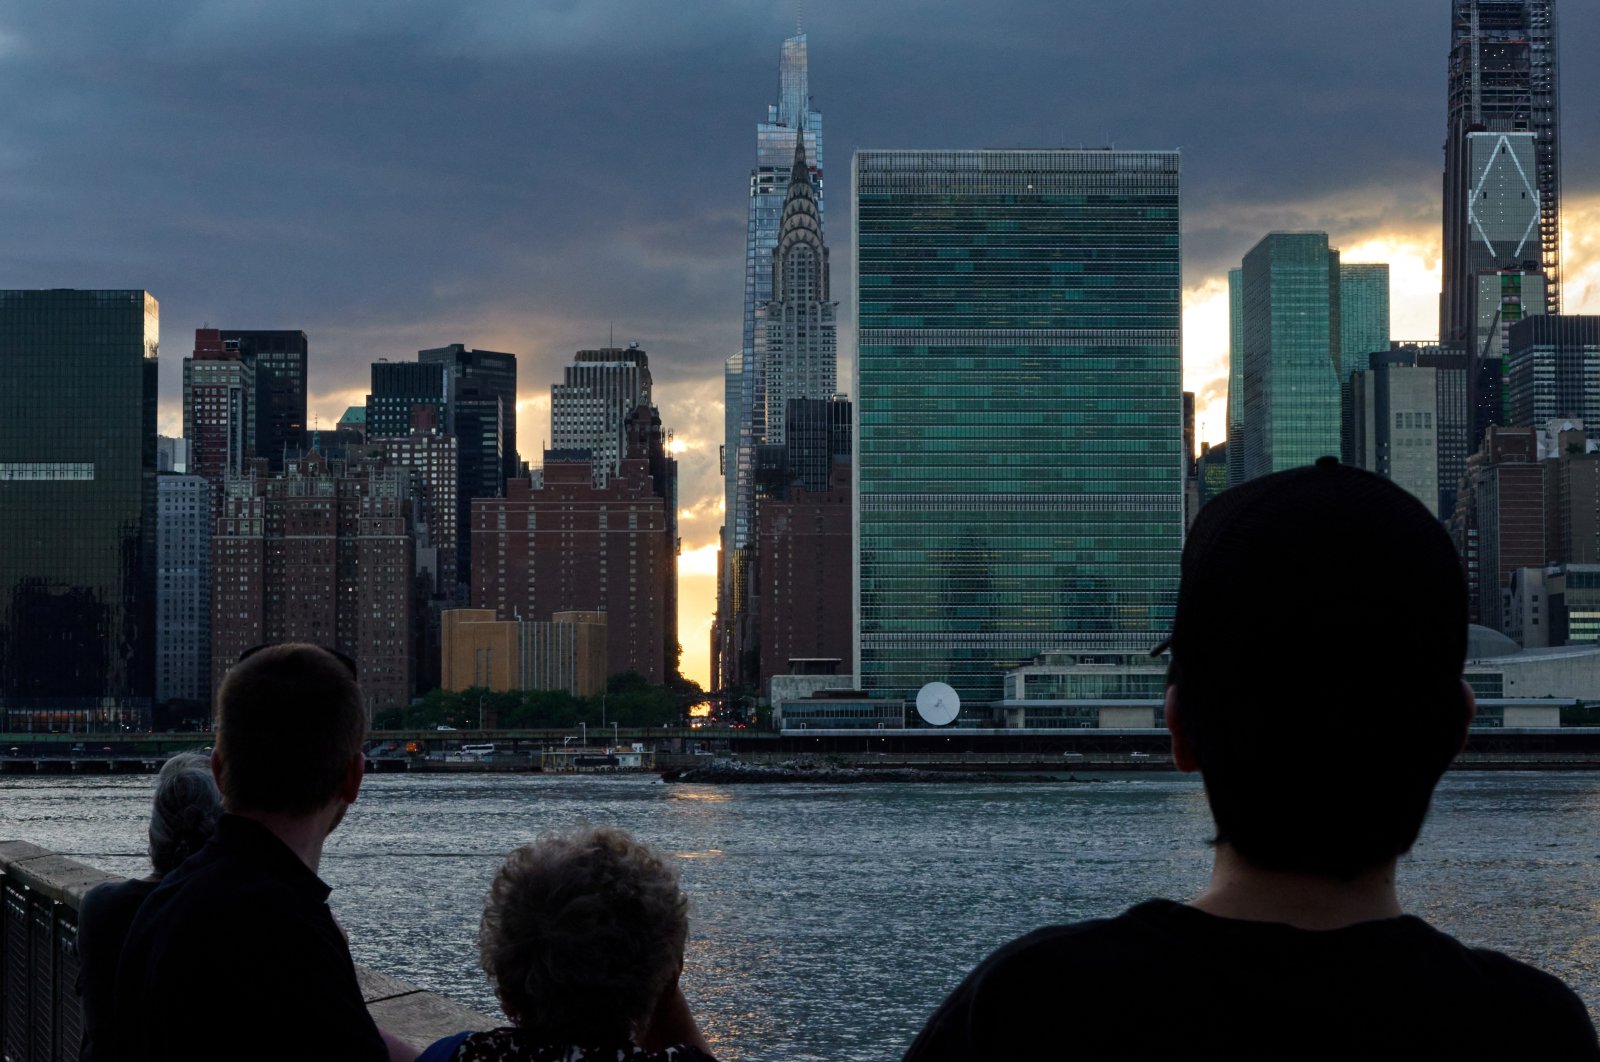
519,175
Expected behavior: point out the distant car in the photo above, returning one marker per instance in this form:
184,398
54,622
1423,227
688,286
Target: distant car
441,726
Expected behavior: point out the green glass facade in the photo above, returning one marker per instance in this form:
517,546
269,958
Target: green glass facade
1363,315
1291,412
77,501
1019,402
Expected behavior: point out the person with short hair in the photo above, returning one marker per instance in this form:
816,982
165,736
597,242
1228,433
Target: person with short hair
1315,684
183,815
583,936
236,955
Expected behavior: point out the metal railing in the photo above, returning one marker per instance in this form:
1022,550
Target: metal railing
41,1018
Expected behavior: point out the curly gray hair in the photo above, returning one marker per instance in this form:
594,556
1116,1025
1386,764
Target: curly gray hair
184,813
582,934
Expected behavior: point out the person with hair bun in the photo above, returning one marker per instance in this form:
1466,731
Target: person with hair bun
583,937
183,816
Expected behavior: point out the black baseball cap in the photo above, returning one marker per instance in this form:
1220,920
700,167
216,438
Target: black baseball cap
1320,565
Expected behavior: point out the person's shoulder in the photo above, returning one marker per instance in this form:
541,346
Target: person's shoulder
997,1010
111,897
1514,980
1070,943
1533,999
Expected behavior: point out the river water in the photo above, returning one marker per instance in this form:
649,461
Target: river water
828,921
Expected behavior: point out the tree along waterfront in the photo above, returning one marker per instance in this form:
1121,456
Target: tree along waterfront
630,700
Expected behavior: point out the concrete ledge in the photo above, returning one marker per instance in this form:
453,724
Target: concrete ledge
61,879
422,1017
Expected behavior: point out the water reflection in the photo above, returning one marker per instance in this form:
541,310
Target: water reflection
804,899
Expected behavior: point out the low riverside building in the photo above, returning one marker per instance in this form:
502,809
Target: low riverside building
837,709
566,653
1074,691
1511,683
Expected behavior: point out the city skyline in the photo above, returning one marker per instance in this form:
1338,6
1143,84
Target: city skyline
432,189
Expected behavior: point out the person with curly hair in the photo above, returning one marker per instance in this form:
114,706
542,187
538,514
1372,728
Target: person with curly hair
582,936
183,816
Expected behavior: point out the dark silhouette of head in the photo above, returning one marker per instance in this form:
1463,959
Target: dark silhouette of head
1316,667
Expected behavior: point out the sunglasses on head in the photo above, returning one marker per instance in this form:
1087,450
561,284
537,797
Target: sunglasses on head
349,664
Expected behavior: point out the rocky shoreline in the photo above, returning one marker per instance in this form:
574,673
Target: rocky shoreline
735,772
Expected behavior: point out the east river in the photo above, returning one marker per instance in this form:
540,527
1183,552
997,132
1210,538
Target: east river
828,921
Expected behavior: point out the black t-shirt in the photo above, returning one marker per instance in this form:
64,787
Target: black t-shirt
1164,980
237,956
103,920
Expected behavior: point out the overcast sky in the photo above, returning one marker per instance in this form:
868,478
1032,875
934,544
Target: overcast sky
397,174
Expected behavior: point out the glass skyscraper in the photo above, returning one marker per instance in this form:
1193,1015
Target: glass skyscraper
788,119
1502,164
1290,348
77,502
1363,315
1019,474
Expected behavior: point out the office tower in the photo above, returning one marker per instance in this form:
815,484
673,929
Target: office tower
1189,464
183,588
590,407
1451,373
431,456
1235,453
1553,370
398,387
1297,335
559,542
279,358
797,335
321,553
1502,180
77,503
1019,465
1572,495
1213,471
1395,416
219,410
1363,331
804,539
172,455
1363,314
483,386
481,412
1506,488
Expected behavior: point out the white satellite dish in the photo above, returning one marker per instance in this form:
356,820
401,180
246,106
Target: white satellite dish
938,703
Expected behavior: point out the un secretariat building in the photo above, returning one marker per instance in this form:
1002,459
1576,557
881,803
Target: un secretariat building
1019,473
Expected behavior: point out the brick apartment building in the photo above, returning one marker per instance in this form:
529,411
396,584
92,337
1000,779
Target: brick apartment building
323,553
559,543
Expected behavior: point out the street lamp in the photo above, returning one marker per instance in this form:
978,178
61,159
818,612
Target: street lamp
615,741
585,732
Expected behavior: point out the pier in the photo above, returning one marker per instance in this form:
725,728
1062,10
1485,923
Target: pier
41,1019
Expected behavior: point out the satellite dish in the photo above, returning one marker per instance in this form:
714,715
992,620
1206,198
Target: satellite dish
938,703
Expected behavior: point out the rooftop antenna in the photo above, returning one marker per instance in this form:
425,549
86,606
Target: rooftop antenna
799,17
612,342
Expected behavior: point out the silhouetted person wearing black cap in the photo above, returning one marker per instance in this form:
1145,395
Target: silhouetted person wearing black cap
1315,684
